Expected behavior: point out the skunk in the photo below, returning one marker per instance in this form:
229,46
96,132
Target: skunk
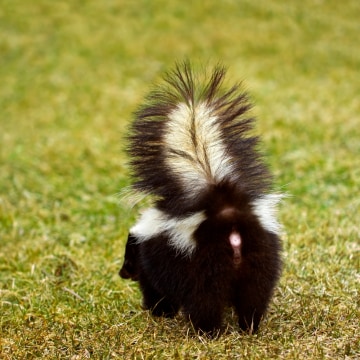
211,238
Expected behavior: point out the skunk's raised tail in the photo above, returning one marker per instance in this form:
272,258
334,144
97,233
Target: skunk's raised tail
193,133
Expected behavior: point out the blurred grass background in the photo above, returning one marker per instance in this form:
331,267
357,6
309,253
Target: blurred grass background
72,72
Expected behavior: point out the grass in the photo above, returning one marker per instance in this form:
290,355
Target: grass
72,73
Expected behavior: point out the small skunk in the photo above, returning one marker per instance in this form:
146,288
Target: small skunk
211,239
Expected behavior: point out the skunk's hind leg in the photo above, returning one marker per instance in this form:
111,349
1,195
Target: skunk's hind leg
249,318
250,304
205,313
155,302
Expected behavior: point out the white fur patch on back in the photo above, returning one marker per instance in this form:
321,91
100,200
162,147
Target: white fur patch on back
265,208
209,161
153,222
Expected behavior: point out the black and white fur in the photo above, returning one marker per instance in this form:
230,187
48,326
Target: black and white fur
211,239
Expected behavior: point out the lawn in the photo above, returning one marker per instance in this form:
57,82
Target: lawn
72,73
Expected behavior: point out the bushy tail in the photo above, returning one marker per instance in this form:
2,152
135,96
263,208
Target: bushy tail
193,133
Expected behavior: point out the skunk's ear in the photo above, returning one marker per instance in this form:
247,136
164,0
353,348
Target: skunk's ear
129,269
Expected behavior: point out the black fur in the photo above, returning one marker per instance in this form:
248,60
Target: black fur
213,277
129,269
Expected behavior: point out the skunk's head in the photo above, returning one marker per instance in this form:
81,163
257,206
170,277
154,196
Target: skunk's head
129,269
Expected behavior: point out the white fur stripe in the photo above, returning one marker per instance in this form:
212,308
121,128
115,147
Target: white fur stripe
150,224
210,161
265,208
153,222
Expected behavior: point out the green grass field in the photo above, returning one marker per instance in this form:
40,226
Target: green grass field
72,73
